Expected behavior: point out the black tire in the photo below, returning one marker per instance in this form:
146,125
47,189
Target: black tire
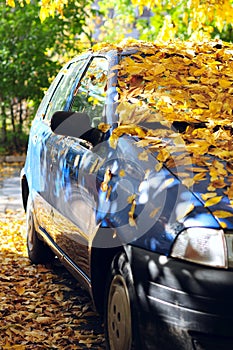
38,251
120,312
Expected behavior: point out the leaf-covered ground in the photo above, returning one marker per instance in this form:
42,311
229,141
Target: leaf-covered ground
40,307
9,170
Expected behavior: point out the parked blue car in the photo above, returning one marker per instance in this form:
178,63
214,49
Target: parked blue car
138,207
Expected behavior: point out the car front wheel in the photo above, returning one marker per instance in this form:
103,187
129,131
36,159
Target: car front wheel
38,251
120,311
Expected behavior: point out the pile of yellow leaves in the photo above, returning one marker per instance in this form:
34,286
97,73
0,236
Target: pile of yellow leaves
188,84
40,308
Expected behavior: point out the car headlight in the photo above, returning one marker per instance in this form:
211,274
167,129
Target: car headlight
201,245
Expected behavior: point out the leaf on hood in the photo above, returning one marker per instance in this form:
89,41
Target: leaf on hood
219,183
222,214
213,201
132,221
229,192
208,195
154,212
187,211
199,177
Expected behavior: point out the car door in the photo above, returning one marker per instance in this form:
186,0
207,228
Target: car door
42,140
73,186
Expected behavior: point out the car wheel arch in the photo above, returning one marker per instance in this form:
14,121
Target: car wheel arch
24,191
101,261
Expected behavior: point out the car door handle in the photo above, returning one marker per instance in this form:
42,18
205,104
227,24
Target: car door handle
34,139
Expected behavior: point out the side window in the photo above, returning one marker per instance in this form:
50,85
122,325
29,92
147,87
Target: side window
47,97
90,94
68,78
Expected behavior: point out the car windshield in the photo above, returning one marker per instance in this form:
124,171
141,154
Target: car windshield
188,84
182,94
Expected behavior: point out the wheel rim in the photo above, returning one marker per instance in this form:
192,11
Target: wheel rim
119,315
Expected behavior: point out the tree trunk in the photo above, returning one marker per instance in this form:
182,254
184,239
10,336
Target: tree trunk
12,117
3,129
20,117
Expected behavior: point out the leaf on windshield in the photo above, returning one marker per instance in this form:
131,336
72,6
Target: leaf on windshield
188,182
163,155
104,127
158,166
113,140
143,156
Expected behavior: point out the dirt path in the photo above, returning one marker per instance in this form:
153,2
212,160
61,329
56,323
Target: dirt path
10,192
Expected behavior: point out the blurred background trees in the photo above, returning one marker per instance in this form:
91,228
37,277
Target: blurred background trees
36,38
31,53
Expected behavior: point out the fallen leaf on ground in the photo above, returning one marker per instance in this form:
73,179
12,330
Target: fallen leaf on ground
41,308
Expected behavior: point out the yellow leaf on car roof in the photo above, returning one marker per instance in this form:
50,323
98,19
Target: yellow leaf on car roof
215,106
158,69
225,83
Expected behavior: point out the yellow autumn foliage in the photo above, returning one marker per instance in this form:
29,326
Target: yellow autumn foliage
198,16
190,83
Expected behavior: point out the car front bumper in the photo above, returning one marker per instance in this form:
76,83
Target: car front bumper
182,305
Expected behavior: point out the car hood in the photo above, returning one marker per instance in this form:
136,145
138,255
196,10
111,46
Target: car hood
182,208
219,205
162,203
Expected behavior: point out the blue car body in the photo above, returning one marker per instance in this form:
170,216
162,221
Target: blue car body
82,197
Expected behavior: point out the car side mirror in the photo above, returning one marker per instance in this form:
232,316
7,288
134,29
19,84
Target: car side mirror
75,124
70,123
